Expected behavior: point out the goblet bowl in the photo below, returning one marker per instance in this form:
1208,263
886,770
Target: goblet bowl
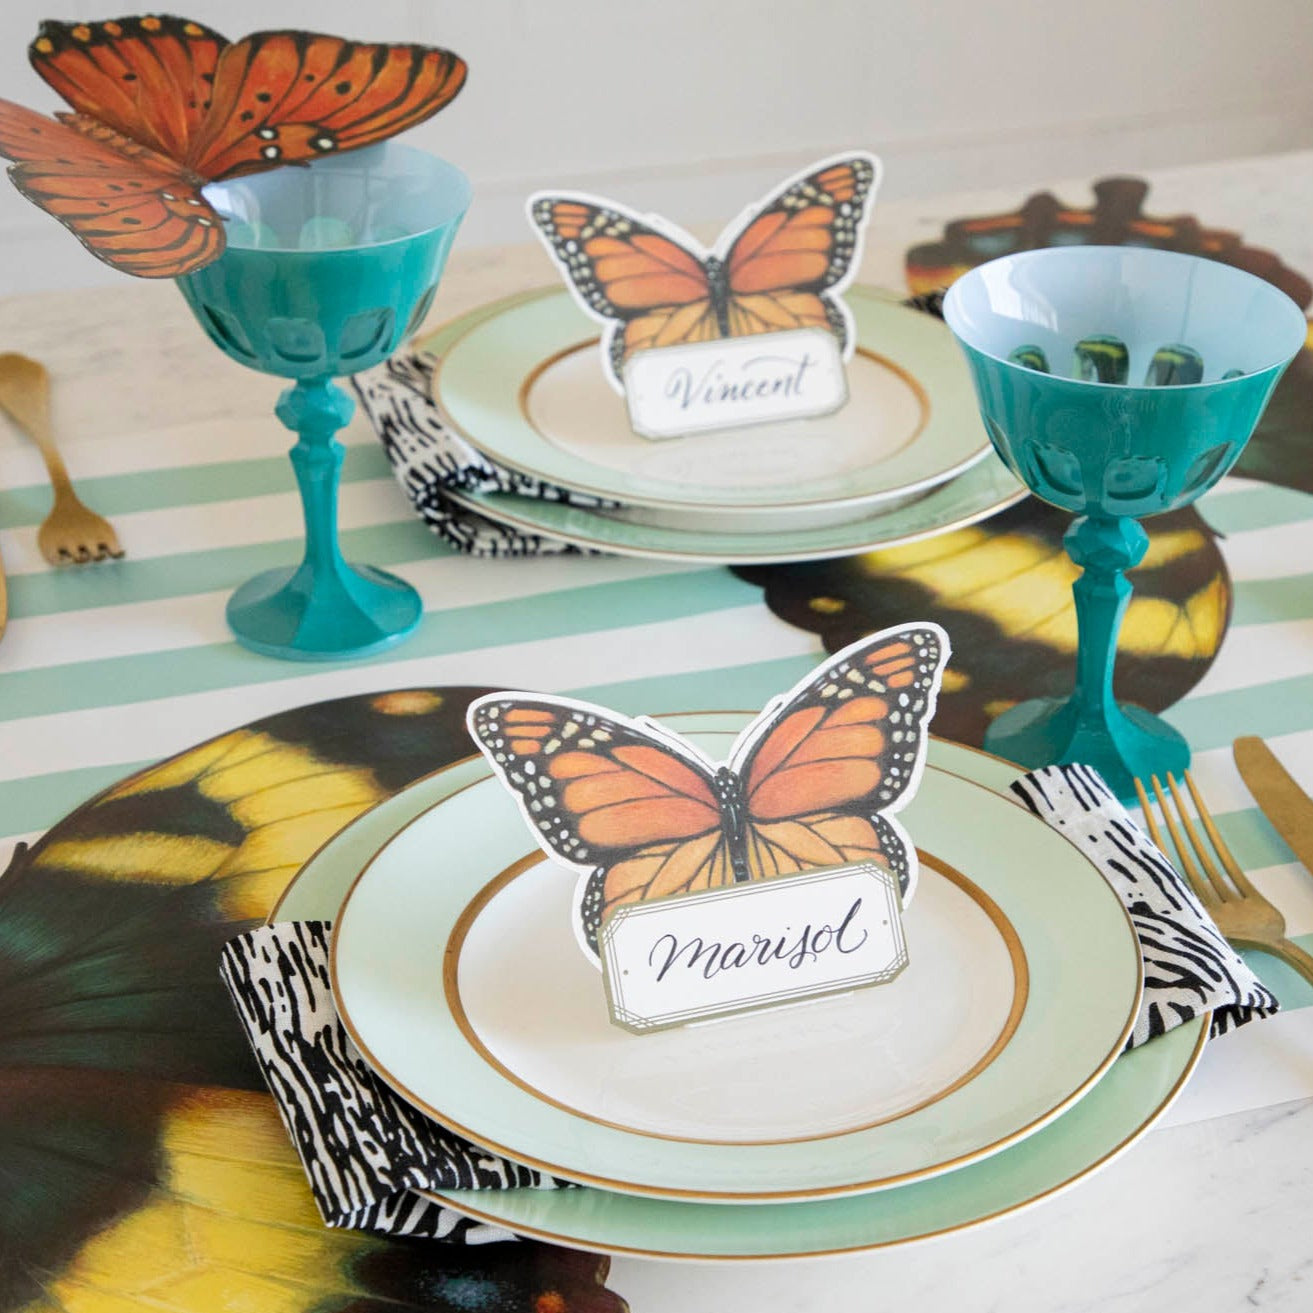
1116,382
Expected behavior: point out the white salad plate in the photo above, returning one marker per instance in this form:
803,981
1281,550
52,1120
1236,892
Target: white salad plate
522,380
457,973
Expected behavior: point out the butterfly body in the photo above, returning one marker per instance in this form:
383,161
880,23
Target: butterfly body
164,105
814,781
731,796
780,266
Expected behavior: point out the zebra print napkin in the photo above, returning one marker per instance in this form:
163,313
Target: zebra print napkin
365,1150
1188,967
430,461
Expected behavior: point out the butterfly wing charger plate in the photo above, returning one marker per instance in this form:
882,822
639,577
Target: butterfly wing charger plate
144,1163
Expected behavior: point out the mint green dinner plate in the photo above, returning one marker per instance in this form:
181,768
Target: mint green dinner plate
457,974
981,491
1131,1096
522,380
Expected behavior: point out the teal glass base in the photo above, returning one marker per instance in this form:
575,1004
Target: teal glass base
1121,742
353,612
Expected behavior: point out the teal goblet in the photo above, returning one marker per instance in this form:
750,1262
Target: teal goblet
1116,383
327,269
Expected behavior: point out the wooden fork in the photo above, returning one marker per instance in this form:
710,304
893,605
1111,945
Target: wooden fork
71,534
1242,914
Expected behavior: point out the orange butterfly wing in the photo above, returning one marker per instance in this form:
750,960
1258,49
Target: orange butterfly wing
288,97
838,755
800,244
605,795
127,205
147,78
656,290
165,104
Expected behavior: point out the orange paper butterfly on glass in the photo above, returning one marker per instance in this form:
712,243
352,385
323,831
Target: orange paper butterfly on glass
812,782
163,105
781,265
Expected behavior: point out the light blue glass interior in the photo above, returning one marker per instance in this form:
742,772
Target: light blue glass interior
328,268
1149,299
362,198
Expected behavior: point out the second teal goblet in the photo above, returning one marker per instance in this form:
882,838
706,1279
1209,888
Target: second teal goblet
1117,383
327,269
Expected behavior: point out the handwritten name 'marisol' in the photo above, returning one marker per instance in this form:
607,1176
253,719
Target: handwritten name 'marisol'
758,378
715,957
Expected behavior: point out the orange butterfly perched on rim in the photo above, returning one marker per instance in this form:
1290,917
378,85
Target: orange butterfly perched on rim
164,105
781,265
813,781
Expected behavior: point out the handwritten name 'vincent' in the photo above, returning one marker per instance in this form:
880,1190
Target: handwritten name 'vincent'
760,377
716,957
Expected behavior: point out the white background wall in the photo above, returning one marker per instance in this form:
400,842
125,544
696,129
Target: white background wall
694,106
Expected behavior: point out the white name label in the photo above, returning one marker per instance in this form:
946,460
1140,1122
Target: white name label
735,381
692,957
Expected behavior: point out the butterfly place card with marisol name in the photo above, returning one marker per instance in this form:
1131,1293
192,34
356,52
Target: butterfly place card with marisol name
753,330
706,890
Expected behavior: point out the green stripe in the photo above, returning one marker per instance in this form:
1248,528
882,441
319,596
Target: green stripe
1258,508
114,681
1285,706
1260,601
1252,840
117,583
1285,982
196,485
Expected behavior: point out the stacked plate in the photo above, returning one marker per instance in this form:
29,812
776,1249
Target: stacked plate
982,1079
905,458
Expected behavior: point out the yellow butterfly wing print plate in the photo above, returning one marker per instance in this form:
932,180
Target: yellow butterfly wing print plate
522,382
457,974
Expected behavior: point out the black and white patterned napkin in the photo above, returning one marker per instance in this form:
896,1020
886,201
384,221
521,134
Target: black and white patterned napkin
430,461
1188,967
366,1151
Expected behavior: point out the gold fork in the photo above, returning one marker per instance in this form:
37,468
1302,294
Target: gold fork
71,534
1242,914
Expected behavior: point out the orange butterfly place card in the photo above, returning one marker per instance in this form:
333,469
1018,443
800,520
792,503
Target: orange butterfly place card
753,330
162,106
679,859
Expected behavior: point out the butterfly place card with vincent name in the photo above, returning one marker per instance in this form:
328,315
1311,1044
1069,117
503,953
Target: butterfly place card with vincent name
751,331
707,889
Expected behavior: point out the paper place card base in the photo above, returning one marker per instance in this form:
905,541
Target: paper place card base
760,944
734,382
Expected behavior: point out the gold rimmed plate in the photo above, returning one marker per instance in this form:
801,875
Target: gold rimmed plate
456,972
523,382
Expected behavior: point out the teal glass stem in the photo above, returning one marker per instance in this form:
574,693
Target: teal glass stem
1104,549
327,269
322,606
1122,742
1209,342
